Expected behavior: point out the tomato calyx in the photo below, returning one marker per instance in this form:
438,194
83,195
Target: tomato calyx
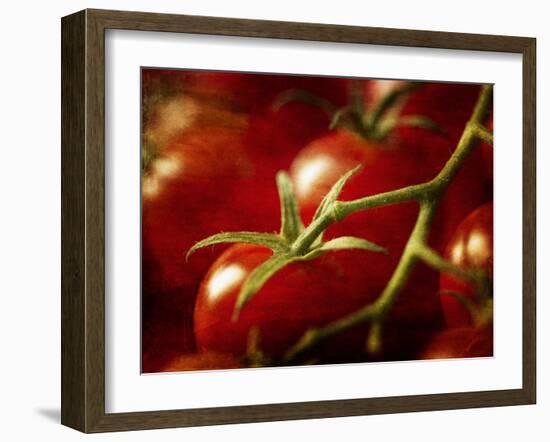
254,356
373,125
296,242
466,291
481,311
293,243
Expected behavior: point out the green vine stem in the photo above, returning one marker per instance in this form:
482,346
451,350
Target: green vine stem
428,196
371,124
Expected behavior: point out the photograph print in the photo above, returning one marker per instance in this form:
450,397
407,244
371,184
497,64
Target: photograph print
293,220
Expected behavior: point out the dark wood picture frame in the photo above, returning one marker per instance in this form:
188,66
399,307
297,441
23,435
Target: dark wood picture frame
83,220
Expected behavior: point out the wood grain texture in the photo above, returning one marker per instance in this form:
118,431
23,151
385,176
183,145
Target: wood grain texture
529,220
73,128
145,21
83,220
95,221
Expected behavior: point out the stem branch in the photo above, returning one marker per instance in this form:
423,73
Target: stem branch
428,196
437,262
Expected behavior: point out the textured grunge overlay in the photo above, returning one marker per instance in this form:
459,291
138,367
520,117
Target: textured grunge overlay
291,220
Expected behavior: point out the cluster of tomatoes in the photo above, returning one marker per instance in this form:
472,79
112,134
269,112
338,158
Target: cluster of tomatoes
212,144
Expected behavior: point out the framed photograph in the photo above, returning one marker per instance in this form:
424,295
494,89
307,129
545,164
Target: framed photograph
267,221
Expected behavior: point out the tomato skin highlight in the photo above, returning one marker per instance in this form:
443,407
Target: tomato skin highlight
173,219
450,107
187,167
298,297
273,138
385,167
471,247
173,214
233,154
208,152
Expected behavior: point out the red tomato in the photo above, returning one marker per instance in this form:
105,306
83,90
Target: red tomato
466,342
184,198
187,170
202,361
300,296
450,107
274,137
471,247
297,297
376,90
210,171
182,202
385,167
253,92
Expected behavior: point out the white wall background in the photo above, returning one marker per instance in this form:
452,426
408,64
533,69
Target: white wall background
30,217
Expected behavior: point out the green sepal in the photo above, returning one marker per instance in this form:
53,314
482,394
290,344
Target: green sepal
259,277
419,121
374,338
334,192
357,96
291,224
302,96
387,125
389,100
351,242
343,243
466,302
342,114
254,356
269,240
266,270
148,155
